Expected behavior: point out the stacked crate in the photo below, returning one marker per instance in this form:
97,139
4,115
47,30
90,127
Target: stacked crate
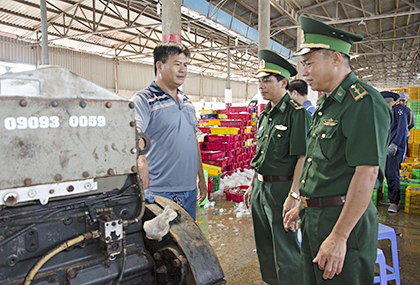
230,142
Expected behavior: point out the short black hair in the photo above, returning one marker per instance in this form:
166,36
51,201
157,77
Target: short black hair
300,86
165,50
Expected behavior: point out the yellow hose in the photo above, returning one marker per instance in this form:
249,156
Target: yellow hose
34,270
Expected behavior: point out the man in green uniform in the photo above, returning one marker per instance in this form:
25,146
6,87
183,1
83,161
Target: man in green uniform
345,160
278,163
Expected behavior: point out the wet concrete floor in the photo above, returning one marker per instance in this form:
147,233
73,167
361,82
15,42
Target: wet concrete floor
232,239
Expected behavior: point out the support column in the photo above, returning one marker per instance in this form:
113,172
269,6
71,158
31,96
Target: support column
171,21
228,90
44,32
115,76
263,24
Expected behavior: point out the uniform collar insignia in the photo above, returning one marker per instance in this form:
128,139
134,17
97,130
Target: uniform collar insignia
330,122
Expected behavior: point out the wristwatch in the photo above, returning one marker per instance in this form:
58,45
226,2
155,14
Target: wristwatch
294,195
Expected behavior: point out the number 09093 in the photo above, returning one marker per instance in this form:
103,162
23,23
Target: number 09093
44,122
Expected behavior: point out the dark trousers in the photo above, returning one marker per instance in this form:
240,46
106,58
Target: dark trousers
359,263
392,173
278,251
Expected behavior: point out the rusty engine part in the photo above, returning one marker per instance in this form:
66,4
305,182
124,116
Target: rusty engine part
71,202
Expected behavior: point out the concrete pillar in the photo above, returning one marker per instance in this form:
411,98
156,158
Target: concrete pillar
263,24
44,32
171,21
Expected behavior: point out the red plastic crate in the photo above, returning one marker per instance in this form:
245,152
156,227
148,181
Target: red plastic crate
232,194
219,146
239,151
242,117
221,138
218,162
212,155
242,109
232,123
205,130
230,153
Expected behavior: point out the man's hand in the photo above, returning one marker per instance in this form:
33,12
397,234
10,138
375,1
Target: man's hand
202,187
247,197
392,149
331,254
143,169
291,218
289,204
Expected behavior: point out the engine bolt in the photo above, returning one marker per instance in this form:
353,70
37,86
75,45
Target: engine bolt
132,124
85,174
54,103
31,193
82,104
70,188
108,104
111,171
58,177
27,181
52,191
131,105
23,103
133,169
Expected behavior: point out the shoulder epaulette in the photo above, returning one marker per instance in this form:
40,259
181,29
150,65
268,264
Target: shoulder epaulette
357,91
295,105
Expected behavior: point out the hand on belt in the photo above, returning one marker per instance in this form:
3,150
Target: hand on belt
323,202
263,178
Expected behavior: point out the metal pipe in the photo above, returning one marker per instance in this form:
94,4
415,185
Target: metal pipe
44,32
228,68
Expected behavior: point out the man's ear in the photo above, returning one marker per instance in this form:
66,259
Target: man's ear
284,83
337,58
159,65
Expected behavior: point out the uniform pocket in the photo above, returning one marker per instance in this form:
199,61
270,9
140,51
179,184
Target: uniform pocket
326,137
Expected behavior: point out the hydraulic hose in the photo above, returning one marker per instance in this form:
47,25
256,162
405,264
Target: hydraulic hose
34,270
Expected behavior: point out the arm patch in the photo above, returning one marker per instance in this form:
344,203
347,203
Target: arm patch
357,91
295,105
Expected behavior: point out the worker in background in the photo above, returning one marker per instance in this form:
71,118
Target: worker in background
298,90
280,153
396,148
345,160
410,118
163,112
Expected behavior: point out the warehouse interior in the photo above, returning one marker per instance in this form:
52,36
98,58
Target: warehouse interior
111,43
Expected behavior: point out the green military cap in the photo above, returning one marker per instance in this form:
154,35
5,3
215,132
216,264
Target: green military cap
272,62
316,34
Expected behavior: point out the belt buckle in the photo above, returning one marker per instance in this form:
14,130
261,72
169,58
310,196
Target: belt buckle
304,202
260,177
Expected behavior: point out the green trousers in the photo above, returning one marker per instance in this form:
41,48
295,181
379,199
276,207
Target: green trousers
359,263
278,251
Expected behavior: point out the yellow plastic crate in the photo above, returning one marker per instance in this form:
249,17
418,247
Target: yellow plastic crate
222,116
207,112
214,122
224,131
212,169
248,129
412,200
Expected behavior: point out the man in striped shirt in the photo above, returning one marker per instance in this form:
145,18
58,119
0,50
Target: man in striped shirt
166,114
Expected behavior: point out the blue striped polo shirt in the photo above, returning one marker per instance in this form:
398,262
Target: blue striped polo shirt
170,124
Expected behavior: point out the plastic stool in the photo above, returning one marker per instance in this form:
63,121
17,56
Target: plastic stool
380,260
386,232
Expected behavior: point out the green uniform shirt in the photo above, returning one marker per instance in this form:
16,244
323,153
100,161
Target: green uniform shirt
281,137
350,128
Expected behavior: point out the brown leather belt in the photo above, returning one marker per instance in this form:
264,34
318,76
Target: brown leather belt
263,178
323,202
